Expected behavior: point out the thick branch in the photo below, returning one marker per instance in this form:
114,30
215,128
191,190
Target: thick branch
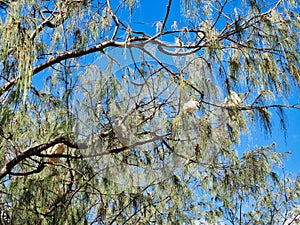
73,54
7,86
34,151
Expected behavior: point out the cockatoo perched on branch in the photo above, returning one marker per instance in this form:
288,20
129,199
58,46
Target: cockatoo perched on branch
191,106
121,131
56,149
233,99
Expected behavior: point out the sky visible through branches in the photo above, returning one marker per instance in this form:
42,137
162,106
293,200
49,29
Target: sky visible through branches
284,142
152,12
152,98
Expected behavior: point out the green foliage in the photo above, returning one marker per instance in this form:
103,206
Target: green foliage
63,75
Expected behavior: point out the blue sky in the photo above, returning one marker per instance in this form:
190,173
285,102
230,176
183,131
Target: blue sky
152,11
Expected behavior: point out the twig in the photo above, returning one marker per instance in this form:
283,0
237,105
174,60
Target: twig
166,16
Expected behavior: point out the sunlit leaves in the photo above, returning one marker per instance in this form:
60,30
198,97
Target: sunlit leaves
204,174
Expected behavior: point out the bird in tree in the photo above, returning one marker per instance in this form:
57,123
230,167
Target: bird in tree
233,99
56,149
121,131
191,106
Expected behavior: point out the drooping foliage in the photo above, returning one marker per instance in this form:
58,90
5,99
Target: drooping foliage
87,74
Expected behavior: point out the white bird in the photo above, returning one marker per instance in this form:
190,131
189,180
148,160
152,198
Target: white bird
121,131
174,25
233,99
56,149
158,26
191,106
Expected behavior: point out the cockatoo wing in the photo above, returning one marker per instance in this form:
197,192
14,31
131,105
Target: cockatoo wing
233,99
56,149
190,106
121,132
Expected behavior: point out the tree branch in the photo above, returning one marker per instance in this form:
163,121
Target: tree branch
73,54
36,150
166,16
37,170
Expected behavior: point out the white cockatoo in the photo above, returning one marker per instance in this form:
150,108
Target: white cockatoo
121,131
191,106
158,26
174,25
56,149
233,99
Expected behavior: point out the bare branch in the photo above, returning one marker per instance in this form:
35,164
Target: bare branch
219,13
37,170
116,20
166,16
